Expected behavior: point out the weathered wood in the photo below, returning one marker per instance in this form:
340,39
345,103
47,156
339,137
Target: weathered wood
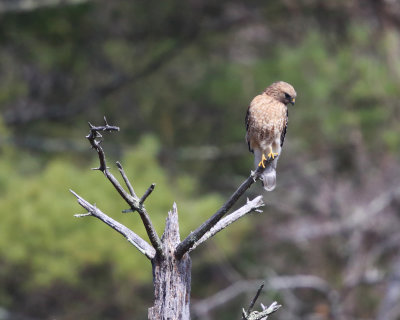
132,201
195,235
142,245
250,206
169,256
171,277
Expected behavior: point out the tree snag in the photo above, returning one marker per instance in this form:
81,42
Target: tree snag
169,255
171,277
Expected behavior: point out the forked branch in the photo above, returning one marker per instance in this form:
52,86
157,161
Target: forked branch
125,177
254,300
196,235
135,203
131,236
259,315
250,206
171,269
262,315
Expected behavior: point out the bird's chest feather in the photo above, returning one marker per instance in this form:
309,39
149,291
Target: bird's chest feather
269,119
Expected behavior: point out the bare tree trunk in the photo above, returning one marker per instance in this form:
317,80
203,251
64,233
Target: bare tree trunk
169,255
171,277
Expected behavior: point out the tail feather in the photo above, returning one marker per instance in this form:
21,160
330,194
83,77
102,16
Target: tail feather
268,178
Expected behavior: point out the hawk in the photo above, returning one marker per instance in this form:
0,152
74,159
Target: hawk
266,123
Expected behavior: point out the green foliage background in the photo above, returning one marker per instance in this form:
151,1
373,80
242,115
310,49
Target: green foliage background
177,79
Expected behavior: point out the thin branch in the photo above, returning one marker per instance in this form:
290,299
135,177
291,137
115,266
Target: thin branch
132,237
143,198
127,182
93,135
254,300
275,283
82,215
133,202
256,315
194,236
147,193
249,207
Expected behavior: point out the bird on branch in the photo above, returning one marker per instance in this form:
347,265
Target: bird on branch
266,123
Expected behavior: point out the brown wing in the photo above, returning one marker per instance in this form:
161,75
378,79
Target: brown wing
246,122
285,127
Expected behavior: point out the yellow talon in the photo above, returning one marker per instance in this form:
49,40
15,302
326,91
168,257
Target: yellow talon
261,164
272,155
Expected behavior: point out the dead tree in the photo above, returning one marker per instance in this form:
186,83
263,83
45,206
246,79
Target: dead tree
169,255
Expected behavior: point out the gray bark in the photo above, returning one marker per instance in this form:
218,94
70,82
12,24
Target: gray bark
171,277
169,255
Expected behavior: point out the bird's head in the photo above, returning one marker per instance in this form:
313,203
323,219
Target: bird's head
282,91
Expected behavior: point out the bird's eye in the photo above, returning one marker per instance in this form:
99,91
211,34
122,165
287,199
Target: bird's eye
287,96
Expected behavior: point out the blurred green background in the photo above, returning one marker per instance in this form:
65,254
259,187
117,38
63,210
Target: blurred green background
177,78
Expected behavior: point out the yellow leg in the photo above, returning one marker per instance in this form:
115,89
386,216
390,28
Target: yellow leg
261,164
272,154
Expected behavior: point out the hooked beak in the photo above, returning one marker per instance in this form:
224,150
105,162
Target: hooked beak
292,101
